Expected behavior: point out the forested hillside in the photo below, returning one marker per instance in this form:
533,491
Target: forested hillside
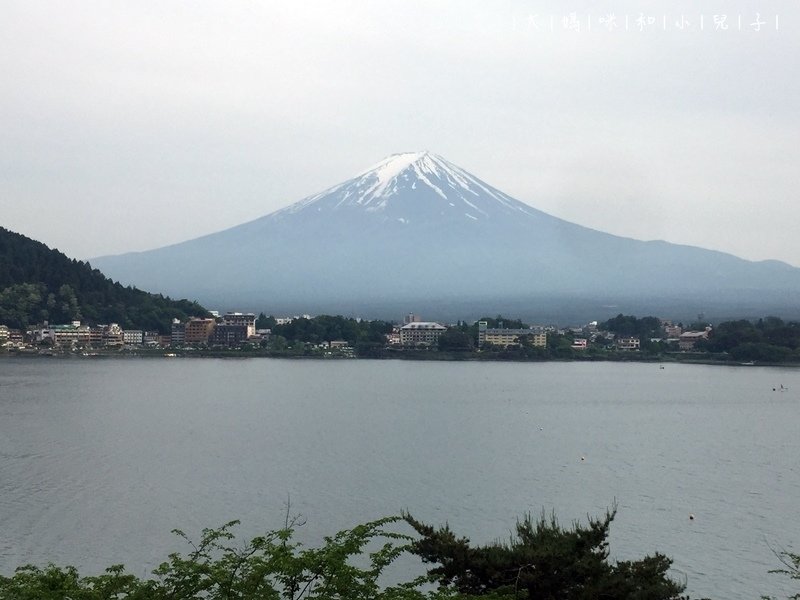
40,284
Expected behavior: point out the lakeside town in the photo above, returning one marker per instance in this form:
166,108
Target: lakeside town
243,331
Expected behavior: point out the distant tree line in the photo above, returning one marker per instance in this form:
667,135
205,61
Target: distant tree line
628,325
768,340
366,337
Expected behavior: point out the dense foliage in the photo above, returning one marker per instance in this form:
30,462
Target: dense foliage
39,284
455,340
628,325
543,562
326,328
271,566
502,322
769,339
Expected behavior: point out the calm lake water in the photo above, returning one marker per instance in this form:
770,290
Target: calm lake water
100,459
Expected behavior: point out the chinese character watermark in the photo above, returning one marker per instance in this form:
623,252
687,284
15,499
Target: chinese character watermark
575,22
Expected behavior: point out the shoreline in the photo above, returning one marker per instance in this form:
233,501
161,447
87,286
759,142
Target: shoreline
419,356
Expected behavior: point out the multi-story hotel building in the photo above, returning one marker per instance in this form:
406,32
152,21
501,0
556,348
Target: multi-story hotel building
96,334
112,335
67,335
421,332
225,334
688,339
628,343
198,330
133,337
178,333
237,318
508,337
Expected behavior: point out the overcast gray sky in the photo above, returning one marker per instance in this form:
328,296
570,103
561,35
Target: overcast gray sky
132,125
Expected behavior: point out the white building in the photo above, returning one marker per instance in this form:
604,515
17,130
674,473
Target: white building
628,343
113,335
421,332
64,335
133,337
393,338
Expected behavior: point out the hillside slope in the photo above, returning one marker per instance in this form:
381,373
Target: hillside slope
41,284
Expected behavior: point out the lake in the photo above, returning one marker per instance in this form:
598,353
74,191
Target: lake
101,458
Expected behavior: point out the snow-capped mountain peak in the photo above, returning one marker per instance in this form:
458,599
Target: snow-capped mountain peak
413,185
416,230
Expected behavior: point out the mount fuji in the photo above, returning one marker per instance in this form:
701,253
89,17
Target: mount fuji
415,232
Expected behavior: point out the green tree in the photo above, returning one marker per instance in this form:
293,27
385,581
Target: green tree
277,343
347,566
504,322
64,583
790,568
265,322
760,352
543,561
455,340
38,284
325,328
629,325
67,304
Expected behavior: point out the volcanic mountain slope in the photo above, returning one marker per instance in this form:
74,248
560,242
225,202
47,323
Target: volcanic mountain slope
416,228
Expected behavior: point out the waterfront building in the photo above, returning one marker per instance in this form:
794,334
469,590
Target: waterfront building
509,337
66,335
15,338
421,333
113,335
96,335
225,334
393,339
689,339
198,330
178,333
628,343
133,337
237,318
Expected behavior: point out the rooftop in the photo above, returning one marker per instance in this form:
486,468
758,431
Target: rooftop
423,325
498,331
